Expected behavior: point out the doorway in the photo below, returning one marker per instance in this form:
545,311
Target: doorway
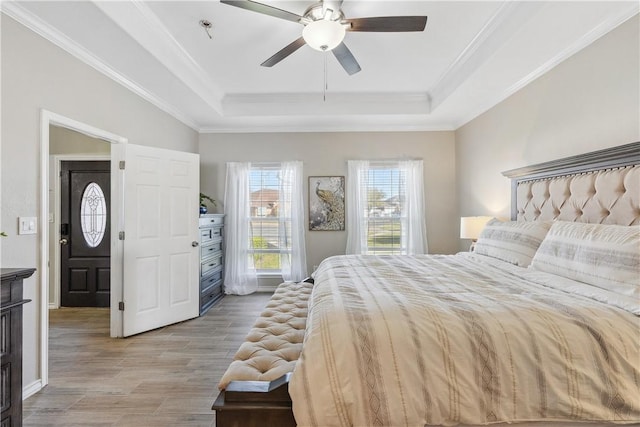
161,235
85,233
49,220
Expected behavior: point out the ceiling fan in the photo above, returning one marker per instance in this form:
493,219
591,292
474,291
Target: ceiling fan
325,27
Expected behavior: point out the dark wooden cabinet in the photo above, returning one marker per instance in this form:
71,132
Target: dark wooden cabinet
211,260
11,302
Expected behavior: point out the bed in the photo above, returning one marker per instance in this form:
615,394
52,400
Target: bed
524,330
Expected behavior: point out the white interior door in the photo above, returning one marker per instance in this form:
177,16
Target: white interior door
161,263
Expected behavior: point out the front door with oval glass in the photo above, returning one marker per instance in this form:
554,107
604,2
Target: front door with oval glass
85,233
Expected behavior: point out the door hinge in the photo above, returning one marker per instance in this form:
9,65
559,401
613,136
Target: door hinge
121,235
121,306
121,165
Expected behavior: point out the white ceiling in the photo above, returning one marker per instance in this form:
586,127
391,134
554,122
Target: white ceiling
471,56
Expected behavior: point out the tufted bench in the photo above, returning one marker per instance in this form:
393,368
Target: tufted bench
254,389
274,343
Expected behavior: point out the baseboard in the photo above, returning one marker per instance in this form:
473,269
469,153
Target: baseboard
31,389
53,306
267,288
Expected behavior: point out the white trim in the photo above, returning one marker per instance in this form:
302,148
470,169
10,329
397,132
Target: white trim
143,25
31,389
266,288
68,123
374,125
491,36
306,98
55,265
117,246
269,275
44,248
593,35
48,118
43,29
255,105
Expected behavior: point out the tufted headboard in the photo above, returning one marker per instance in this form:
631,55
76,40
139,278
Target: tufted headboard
598,187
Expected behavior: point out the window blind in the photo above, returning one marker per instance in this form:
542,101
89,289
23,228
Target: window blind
384,185
270,223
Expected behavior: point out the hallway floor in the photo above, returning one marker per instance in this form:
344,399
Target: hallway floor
166,377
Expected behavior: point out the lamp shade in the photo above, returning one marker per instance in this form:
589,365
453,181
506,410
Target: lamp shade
471,226
323,35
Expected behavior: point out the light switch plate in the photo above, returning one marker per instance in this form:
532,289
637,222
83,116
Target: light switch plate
27,225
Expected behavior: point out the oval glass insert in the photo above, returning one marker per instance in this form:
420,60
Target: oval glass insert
93,214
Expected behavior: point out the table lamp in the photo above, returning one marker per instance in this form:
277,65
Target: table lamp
471,226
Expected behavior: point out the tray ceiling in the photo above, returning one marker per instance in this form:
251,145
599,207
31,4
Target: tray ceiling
471,56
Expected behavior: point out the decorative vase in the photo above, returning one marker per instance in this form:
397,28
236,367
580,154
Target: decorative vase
203,209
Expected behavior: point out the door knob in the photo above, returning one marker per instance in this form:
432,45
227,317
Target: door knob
195,244
64,241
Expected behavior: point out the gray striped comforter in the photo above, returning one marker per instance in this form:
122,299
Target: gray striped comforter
445,340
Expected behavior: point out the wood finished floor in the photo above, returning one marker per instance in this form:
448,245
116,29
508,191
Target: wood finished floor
166,377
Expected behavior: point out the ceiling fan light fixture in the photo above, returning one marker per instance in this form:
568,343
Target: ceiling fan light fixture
323,34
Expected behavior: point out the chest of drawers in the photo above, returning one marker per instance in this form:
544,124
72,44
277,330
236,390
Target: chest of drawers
11,301
211,260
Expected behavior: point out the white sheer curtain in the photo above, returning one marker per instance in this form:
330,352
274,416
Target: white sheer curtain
412,219
293,255
357,171
414,234
240,275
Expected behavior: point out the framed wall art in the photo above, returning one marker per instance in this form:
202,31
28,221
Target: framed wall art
326,203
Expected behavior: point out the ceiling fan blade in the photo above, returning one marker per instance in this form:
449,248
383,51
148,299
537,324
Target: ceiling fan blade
388,24
346,59
283,53
263,8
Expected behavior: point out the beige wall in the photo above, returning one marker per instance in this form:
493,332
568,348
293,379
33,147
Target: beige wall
36,75
67,141
327,154
589,102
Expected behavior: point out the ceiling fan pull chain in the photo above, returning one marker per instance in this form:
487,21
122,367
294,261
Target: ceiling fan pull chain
326,84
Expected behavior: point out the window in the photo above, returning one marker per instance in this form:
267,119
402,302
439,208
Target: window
384,187
264,225
385,210
93,214
269,223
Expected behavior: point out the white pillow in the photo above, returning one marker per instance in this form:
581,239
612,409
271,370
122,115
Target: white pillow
511,241
606,256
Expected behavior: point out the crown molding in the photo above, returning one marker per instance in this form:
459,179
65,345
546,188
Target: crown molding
43,29
498,30
374,124
138,20
597,32
332,103
326,129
